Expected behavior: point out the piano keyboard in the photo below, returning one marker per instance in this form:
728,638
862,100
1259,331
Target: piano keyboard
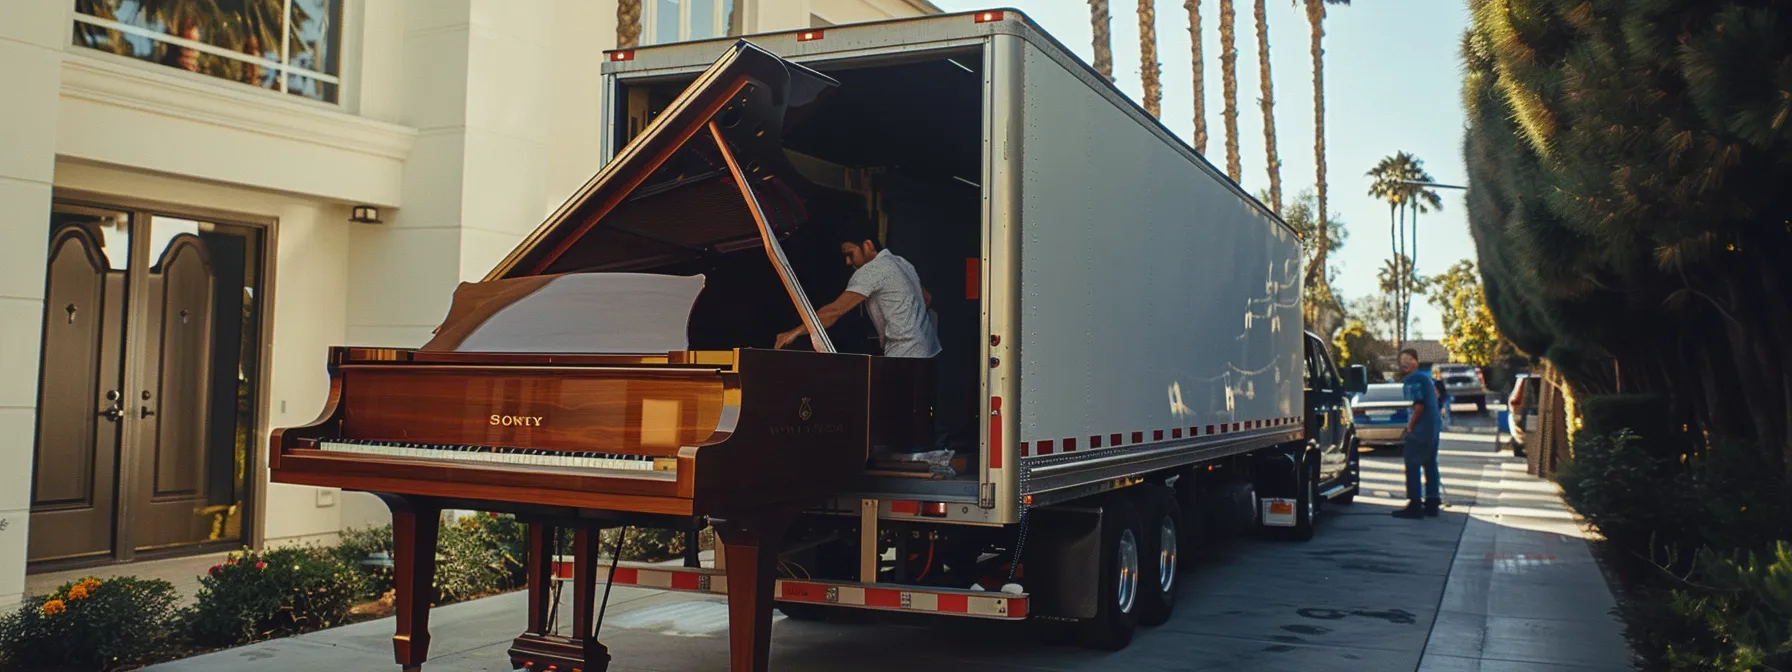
502,455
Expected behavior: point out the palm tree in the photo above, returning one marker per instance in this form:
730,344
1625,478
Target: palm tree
1394,181
1268,103
1194,33
1316,35
1229,84
1104,44
1148,65
628,24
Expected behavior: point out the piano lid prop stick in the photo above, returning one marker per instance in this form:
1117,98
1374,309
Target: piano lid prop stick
818,335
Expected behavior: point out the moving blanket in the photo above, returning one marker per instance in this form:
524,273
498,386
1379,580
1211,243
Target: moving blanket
571,313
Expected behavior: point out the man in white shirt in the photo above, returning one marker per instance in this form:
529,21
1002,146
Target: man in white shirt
892,294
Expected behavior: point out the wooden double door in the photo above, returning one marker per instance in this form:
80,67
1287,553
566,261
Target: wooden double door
147,384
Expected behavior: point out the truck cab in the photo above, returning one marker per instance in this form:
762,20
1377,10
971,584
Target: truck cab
1331,429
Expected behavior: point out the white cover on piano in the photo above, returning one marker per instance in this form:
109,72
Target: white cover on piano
594,313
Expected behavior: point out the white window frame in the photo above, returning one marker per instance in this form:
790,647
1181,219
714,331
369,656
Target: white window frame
650,11
282,67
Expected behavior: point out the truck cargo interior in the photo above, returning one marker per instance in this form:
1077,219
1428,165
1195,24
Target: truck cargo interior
897,143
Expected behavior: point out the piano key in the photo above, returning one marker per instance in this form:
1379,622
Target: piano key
501,455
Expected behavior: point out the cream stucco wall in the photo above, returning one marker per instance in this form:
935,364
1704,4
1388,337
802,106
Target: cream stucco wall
468,121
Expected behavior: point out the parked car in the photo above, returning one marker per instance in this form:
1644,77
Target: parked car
1381,413
1464,382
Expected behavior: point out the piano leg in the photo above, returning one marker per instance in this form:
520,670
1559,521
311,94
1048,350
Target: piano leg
414,527
540,649
584,598
751,543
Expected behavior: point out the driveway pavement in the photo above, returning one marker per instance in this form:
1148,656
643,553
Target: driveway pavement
1503,581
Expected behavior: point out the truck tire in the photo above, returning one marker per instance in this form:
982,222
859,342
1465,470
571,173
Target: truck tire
1193,537
1355,460
1161,560
1116,578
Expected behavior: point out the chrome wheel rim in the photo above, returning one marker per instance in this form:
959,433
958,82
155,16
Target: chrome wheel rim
1166,555
1312,499
1129,571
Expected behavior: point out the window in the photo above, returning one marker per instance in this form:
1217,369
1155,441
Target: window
666,21
283,45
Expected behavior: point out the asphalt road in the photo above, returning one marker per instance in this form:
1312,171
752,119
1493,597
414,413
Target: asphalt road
1365,594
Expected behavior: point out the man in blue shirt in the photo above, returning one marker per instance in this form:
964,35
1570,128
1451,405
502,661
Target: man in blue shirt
1424,428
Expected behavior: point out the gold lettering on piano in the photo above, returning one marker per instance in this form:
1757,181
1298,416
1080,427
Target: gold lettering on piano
516,420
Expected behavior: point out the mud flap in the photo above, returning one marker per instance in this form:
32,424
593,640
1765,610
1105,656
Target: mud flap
1063,543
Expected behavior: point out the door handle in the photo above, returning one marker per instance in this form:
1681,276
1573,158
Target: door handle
116,412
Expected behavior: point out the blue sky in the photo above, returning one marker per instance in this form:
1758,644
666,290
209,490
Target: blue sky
1393,82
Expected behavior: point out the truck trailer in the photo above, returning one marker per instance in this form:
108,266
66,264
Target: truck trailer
1124,376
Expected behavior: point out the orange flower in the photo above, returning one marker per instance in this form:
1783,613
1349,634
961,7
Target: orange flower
78,592
54,607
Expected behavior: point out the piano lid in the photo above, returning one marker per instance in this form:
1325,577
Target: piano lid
670,195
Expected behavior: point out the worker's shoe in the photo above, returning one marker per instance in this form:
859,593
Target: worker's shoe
1411,511
1433,507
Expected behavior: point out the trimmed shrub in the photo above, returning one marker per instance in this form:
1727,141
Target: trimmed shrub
369,551
479,555
90,625
254,596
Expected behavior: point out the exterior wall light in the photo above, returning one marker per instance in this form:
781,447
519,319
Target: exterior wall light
365,214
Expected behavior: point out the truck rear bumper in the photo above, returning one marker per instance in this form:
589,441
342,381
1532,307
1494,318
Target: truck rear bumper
879,596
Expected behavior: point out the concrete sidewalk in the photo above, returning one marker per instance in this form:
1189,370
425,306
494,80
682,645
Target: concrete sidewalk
1503,581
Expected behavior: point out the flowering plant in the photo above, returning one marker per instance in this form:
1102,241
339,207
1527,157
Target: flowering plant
90,624
255,595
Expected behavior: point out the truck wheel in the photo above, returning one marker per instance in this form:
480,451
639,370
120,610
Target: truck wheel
1163,536
1116,579
1356,475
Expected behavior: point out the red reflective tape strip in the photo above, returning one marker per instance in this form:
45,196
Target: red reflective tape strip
952,603
1069,445
686,581
905,507
884,598
1210,429
794,591
1115,440
1138,437
996,447
1176,433
1017,608
1157,435
1025,449
1045,448
1095,441
628,576
973,279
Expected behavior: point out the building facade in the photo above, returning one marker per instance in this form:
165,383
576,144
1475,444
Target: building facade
186,192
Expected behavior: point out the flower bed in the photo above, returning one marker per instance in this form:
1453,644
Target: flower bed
115,624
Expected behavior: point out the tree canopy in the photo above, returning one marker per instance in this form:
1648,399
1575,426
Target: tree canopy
1629,163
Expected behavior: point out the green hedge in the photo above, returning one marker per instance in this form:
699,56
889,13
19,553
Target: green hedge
261,595
1699,534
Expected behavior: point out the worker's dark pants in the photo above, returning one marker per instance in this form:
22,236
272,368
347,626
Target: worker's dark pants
1421,457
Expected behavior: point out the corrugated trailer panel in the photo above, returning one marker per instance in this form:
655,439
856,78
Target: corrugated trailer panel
1155,300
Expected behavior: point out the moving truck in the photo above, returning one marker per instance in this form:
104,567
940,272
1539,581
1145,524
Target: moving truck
1124,374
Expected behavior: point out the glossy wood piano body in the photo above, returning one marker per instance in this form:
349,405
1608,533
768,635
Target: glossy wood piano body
718,431
741,439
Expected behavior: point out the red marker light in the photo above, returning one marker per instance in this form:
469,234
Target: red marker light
933,509
628,55
986,17
808,36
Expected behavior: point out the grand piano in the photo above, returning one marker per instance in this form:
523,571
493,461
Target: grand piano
565,416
